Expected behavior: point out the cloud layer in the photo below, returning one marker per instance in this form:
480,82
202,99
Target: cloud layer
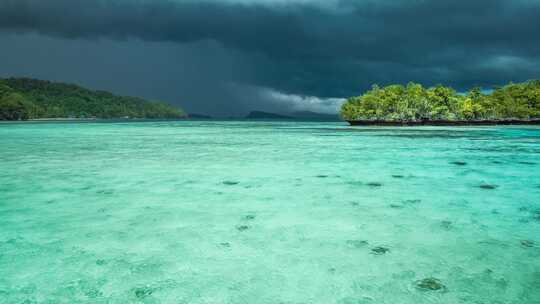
327,49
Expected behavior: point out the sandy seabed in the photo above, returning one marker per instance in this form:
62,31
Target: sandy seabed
268,212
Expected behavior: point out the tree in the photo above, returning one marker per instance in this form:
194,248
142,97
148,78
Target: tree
14,107
414,102
44,99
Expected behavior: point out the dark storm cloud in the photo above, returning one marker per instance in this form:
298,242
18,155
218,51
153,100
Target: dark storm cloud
326,49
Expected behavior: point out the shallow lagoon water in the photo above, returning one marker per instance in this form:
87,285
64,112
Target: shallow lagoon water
268,212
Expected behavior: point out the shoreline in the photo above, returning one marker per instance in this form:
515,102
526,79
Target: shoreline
389,123
506,122
88,120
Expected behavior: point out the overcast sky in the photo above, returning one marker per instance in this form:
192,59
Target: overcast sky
227,57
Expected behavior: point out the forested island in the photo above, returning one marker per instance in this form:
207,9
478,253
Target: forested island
25,98
515,103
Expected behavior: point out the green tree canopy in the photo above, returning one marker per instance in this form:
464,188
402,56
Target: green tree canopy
24,98
14,107
414,102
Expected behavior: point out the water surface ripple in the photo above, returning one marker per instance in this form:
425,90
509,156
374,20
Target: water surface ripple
268,212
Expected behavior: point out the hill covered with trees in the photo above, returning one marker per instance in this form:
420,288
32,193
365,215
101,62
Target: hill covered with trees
25,98
417,103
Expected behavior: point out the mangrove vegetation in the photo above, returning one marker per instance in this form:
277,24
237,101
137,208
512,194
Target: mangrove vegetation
24,98
414,102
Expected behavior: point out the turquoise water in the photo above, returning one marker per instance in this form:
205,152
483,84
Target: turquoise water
268,212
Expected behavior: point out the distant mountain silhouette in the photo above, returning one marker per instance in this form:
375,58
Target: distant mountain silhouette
266,115
315,115
300,115
199,116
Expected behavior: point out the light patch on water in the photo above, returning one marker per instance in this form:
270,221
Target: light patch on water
268,212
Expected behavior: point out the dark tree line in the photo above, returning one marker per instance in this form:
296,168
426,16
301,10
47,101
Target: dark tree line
24,98
414,102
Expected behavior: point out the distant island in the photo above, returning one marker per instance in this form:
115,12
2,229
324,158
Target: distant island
440,105
25,98
309,115
300,115
266,115
199,116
